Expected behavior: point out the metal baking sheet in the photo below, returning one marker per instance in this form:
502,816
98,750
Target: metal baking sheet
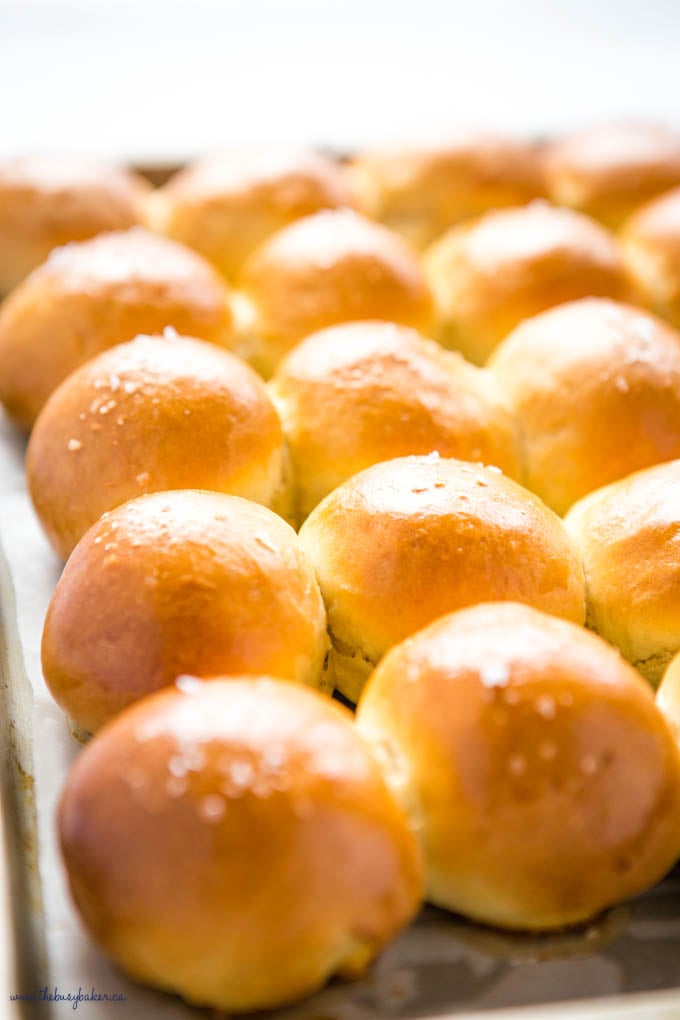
441,967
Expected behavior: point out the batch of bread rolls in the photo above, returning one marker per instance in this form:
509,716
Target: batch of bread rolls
403,428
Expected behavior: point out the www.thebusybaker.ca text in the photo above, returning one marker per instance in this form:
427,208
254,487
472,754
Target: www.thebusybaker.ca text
54,995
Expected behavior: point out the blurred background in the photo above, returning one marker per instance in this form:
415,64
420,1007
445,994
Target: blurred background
159,80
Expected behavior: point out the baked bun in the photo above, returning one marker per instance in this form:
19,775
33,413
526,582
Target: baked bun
410,539
595,386
608,171
489,274
421,192
353,395
628,535
179,582
668,695
325,269
233,842
544,780
651,247
92,295
47,201
156,413
227,204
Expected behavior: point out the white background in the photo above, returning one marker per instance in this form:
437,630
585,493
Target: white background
155,79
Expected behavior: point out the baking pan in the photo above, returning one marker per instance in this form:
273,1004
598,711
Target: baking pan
624,964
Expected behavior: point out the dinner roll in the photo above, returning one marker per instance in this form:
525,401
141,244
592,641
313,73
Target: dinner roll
544,781
335,266
595,386
92,295
651,247
628,535
178,582
491,273
225,205
410,539
668,695
156,413
47,201
421,191
608,171
234,842
353,395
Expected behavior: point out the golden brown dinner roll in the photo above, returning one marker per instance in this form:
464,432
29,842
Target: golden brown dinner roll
668,695
544,781
47,201
651,247
356,394
628,535
608,171
335,266
156,413
178,582
595,386
410,539
234,842
92,295
421,191
227,204
489,274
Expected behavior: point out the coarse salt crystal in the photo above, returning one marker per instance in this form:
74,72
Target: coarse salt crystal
494,675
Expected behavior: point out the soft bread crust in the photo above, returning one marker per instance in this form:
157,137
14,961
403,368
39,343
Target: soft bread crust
179,582
628,535
608,171
227,204
544,781
333,267
668,695
156,413
410,539
353,395
48,201
489,274
234,842
595,386
94,294
421,192
650,242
